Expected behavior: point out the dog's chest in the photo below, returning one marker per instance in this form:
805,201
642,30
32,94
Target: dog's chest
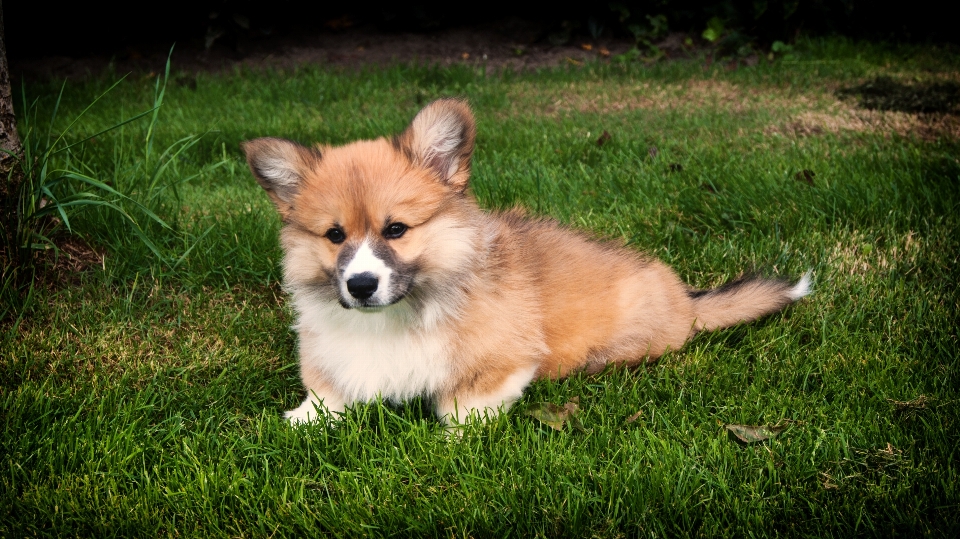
371,354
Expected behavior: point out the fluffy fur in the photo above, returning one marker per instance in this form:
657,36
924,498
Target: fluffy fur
403,286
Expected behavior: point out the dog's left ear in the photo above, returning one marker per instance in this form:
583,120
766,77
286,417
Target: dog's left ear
441,139
279,167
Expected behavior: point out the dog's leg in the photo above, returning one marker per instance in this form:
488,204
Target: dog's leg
322,398
484,396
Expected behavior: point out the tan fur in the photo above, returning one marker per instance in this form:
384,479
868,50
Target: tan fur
499,297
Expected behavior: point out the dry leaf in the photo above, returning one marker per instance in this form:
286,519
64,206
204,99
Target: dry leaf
465,56
340,23
604,51
635,416
555,416
805,176
749,434
586,46
604,138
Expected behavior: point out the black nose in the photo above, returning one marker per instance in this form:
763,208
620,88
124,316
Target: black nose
362,286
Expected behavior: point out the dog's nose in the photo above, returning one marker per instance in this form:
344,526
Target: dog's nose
362,286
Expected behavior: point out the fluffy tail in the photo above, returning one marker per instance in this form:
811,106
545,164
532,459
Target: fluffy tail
745,299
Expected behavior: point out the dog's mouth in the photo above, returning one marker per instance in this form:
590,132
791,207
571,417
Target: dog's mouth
366,306
376,309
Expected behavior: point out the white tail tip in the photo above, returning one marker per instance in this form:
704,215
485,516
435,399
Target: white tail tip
803,288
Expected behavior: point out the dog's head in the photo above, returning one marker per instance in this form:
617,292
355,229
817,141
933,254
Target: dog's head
371,222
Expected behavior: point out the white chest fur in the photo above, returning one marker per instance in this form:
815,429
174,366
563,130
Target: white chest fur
366,354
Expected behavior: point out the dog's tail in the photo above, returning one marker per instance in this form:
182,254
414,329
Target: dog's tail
745,299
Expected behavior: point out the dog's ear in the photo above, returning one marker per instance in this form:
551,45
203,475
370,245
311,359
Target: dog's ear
279,166
441,139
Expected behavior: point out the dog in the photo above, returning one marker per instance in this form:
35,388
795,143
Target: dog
403,286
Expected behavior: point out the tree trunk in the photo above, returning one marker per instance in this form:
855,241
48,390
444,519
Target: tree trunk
11,173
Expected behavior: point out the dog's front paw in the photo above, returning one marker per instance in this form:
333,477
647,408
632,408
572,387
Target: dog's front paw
310,411
315,409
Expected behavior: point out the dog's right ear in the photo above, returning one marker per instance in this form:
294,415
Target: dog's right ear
440,138
279,166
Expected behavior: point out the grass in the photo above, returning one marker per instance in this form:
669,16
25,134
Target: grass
144,395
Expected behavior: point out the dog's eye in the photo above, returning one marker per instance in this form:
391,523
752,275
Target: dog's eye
335,235
394,231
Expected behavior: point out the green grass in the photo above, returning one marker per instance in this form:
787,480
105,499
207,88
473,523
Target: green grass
144,396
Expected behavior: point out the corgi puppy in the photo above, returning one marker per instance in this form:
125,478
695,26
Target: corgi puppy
403,286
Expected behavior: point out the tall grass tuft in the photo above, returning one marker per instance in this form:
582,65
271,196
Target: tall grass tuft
115,204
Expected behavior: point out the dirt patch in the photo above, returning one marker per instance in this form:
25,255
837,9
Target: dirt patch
494,47
859,256
846,119
882,106
602,97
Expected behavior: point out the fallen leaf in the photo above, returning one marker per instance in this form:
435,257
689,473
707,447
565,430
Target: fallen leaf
604,138
340,23
586,46
635,416
549,414
465,56
604,52
749,434
574,62
555,416
805,176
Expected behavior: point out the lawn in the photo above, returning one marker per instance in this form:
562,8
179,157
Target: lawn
143,389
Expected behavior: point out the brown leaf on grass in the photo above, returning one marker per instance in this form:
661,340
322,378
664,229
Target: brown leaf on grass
805,175
574,62
635,416
586,46
604,138
555,416
604,52
340,23
749,434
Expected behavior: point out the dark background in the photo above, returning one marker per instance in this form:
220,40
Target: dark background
37,29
